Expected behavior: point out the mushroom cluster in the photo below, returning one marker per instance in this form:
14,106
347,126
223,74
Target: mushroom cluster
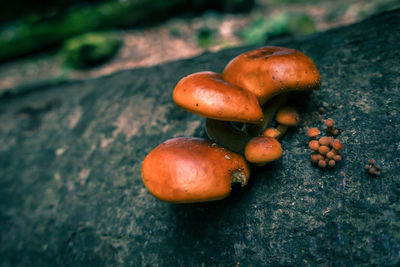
326,150
373,168
238,105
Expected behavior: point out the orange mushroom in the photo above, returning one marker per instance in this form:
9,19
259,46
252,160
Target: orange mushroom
313,133
263,149
286,116
185,170
336,146
329,123
271,132
314,145
269,71
207,94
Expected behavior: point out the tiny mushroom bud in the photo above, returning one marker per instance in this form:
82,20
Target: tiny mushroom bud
286,116
374,171
313,145
337,146
271,132
330,130
373,168
331,163
325,141
322,163
323,150
315,158
185,170
329,123
337,157
262,149
330,155
313,133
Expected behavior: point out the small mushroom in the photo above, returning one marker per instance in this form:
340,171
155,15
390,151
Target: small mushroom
271,70
325,141
330,155
185,170
336,146
316,157
337,158
322,163
323,150
262,149
373,168
271,132
286,116
331,163
314,145
313,133
329,123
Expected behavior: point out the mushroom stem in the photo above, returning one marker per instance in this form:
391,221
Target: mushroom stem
282,130
329,123
239,177
269,110
259,164
286,116
227,135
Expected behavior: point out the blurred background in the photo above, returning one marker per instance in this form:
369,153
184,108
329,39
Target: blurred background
52,41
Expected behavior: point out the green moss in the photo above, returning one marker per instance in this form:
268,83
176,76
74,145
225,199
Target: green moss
90,49
35,33
205,37
282,24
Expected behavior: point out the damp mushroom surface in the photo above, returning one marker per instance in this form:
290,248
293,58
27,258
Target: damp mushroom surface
185,170
269,71
207,94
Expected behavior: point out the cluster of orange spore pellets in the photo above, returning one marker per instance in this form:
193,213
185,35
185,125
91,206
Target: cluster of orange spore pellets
326,149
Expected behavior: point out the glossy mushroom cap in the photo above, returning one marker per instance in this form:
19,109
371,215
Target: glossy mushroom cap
270,70
287,116
207,94
325,141
185,170
337,145
313,145
263,149
271,132
329,123
313,132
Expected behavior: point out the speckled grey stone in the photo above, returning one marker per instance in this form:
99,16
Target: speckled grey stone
70,157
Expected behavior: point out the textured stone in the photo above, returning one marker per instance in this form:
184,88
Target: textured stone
70,157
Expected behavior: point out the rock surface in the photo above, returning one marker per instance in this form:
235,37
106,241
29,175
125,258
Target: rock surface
70,157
